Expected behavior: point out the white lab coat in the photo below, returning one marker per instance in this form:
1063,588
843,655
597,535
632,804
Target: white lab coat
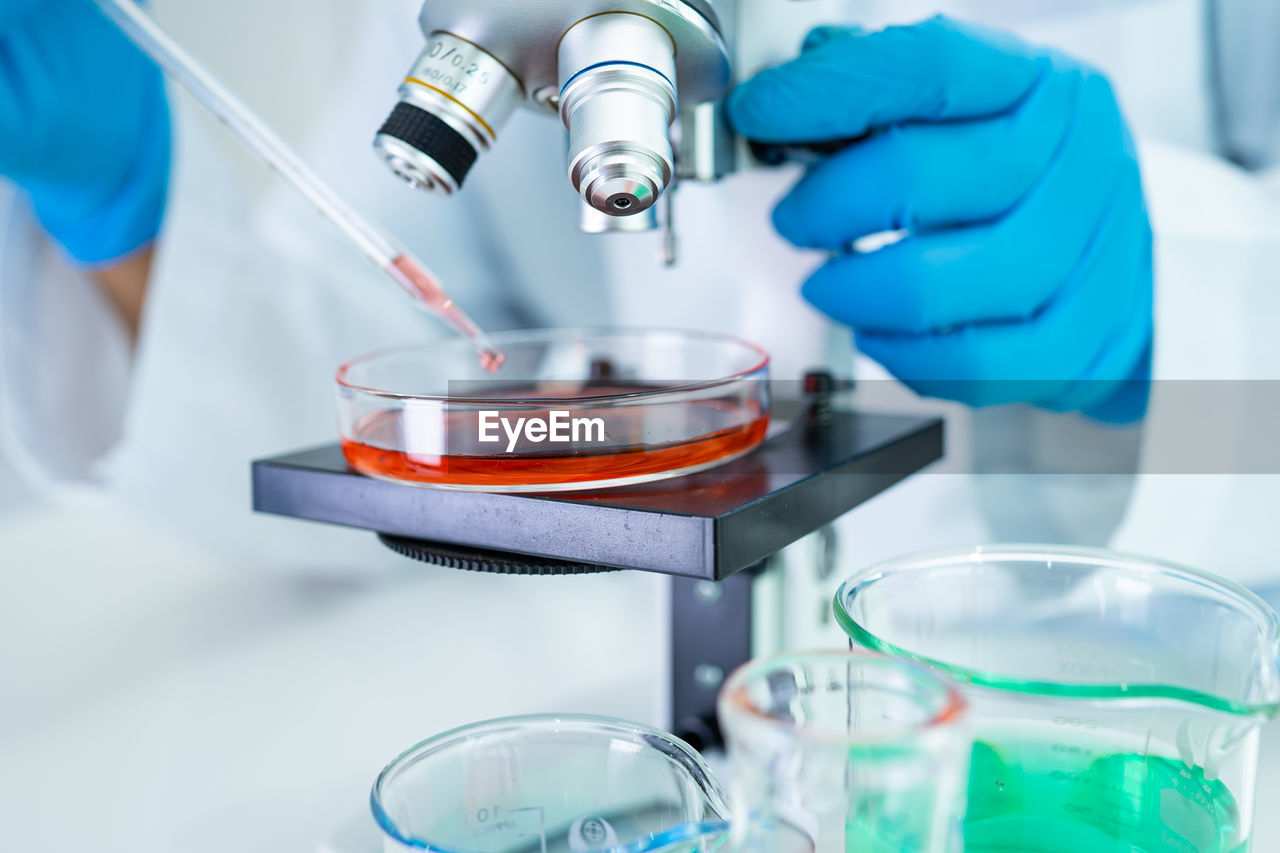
248,315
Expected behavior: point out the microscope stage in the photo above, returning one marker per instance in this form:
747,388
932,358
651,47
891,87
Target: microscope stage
708,525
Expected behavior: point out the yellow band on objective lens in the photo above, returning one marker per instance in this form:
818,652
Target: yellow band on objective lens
445,94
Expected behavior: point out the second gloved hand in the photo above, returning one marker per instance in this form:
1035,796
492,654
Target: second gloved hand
1026,272
84,127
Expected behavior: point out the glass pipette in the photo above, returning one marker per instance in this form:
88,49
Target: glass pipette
367,238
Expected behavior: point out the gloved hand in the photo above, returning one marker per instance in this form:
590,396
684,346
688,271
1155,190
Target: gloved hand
84,127
1026,272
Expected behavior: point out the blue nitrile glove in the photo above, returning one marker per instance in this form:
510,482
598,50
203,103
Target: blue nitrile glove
1026,275
84,127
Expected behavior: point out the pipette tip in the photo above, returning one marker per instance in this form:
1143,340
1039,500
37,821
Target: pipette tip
422,285
491,359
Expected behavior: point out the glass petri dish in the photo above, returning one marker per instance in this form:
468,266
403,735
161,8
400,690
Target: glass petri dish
570,409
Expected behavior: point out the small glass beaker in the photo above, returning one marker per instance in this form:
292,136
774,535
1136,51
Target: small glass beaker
844,751
1116,699
549,784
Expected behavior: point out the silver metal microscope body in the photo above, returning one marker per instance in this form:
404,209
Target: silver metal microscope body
635,82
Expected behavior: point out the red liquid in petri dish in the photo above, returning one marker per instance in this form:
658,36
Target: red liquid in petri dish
713,431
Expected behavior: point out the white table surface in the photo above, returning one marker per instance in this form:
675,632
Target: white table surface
152,699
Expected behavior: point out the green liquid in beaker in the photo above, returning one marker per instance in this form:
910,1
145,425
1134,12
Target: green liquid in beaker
1066,798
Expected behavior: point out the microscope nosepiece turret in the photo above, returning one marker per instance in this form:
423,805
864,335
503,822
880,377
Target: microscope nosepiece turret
617,72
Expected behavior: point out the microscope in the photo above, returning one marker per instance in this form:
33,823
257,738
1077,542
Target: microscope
638,85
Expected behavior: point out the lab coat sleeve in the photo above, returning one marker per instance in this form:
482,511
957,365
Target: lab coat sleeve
1205,497
64,359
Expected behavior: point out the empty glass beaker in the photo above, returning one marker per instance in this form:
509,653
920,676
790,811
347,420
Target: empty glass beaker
549,784
844,751
1116,700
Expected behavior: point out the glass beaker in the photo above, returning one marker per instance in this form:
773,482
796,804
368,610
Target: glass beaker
844,751
1116,699
549,784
